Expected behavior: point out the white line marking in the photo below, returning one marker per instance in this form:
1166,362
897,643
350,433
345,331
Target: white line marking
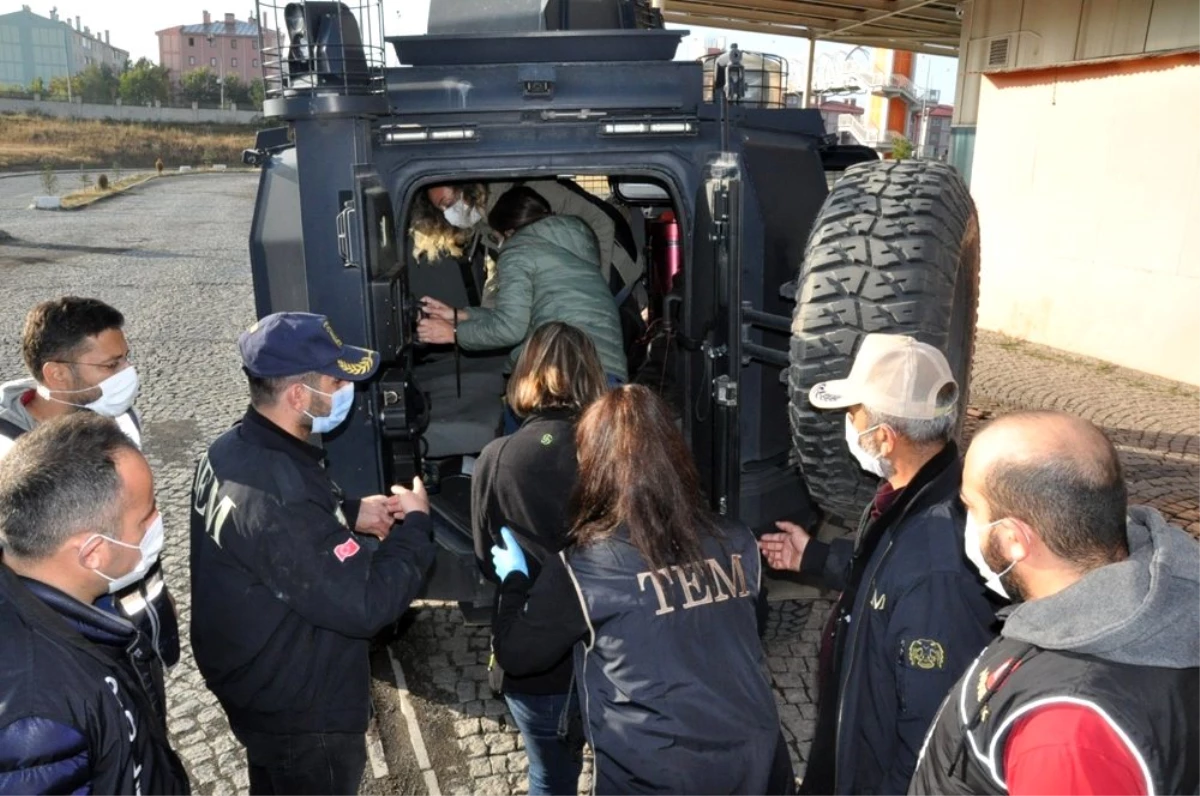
379,766
414,728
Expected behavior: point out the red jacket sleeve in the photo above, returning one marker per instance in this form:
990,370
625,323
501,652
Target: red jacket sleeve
1070,749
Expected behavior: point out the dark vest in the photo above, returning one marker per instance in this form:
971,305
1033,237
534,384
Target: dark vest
672,678
1156,710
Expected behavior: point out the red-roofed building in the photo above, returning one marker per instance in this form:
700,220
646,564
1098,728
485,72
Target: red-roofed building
931,131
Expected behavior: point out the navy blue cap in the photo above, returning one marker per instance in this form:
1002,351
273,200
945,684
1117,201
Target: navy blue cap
292,343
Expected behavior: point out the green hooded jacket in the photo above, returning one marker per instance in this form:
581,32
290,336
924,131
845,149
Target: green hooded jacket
549,271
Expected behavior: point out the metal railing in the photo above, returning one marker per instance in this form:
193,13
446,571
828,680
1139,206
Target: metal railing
323,47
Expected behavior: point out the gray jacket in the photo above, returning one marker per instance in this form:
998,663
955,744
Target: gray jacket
12,410
549,271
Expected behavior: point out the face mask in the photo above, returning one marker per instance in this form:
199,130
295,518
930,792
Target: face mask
971,540
117,394
462,215
872,464
341,399
150,546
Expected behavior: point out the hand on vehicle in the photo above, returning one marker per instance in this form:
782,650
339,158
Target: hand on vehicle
438,310
432,330
405,500
376,516
784,550
510,558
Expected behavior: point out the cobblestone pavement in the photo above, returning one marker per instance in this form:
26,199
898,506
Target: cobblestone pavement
172,257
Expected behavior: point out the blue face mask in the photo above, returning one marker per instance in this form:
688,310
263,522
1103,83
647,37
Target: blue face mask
341,400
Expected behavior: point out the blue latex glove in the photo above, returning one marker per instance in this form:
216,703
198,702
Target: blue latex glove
510,558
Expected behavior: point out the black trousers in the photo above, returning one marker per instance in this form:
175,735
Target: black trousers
324,763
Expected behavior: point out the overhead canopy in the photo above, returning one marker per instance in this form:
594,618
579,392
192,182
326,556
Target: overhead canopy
923,26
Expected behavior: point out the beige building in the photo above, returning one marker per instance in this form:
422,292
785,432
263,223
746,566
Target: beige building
1076,121
229,47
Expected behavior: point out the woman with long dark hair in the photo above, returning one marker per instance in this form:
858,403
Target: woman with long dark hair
523,482
657,598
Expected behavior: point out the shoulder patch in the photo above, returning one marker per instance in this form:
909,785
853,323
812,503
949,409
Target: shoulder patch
346,550
925,653
547,439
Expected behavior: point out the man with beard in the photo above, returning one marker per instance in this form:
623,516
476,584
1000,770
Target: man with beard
912,612
286,594
1094,683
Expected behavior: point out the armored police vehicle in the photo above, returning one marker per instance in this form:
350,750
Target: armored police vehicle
760,279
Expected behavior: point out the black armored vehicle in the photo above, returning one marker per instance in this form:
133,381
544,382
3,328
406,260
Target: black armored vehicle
759,279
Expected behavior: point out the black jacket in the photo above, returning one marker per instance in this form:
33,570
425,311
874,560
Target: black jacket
524,481
912,616
1120,645
285,597
671,674
81,705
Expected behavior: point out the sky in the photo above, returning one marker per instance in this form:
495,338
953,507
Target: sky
132,24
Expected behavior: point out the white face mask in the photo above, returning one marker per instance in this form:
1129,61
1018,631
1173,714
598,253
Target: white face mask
872,464
150,546
972,541
462,215
117,394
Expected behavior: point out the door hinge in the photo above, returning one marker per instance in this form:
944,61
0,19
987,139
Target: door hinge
727,391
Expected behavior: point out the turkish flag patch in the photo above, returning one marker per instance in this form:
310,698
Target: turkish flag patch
346,549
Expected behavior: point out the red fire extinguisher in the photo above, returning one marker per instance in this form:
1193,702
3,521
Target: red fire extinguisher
666,252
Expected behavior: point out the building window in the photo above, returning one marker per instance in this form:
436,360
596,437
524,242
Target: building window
212,61
253,45
233,62
191,60
233,44
191,41
254,63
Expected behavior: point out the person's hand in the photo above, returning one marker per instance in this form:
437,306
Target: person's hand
432,330
405,500
784,550
510,558
376,515
438,310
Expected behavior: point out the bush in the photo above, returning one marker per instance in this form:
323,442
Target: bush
102,183
49,180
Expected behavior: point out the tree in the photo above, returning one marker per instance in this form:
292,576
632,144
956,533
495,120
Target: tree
145,82
58,87
237,91
258,93
99,84
902,148
37,86
201,86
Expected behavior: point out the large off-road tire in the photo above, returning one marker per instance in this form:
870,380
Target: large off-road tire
895,249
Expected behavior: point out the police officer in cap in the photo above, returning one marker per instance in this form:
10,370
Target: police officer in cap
286,591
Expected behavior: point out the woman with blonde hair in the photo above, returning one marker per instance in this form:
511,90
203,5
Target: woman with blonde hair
657,598
522,482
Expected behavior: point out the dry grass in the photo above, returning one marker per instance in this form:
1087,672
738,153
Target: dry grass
87,196
28,142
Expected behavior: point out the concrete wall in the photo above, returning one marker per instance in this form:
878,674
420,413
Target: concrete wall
130,113
1090,219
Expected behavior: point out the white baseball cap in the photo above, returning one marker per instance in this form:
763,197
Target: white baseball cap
893,374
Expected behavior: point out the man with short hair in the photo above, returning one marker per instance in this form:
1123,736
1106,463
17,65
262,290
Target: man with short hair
285,595
82,708
1094,683
912,611
77,358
